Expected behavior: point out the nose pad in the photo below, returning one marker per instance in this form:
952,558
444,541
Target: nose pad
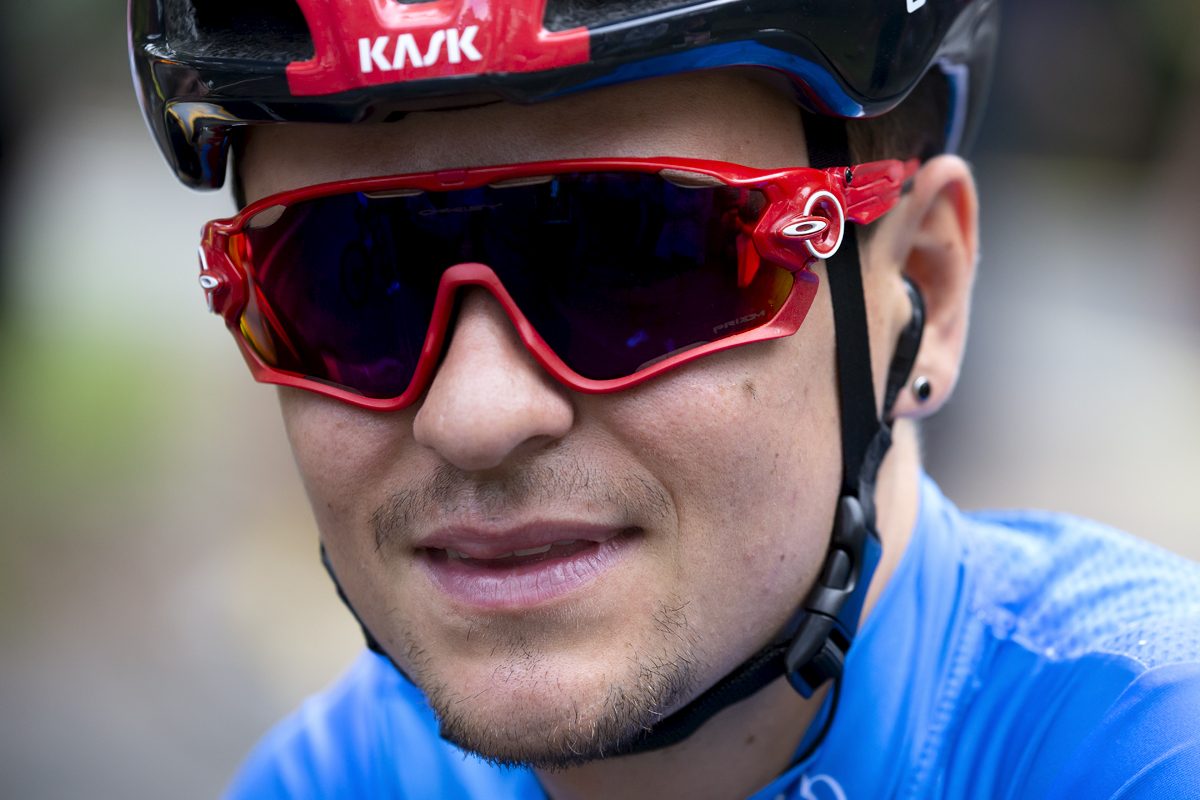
488,399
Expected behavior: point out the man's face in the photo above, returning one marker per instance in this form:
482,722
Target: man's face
685,517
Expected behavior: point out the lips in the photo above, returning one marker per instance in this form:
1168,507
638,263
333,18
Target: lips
520,557
521,568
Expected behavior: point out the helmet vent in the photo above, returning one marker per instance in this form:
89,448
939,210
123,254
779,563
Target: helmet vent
261,30
563,15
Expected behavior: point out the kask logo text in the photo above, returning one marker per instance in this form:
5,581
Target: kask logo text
459,45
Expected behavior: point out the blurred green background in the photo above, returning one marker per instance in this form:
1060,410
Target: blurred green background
161,602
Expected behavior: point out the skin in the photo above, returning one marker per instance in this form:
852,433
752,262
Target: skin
729,466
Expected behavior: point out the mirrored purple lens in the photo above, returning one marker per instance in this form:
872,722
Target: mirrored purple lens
614,270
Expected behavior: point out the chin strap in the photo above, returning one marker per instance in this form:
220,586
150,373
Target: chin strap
813,646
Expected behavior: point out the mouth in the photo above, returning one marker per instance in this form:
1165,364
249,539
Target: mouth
529,572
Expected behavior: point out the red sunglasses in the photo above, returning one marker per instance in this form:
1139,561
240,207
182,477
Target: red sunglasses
611,270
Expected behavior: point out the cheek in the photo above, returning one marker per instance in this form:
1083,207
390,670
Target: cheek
351,462
345,457
747,445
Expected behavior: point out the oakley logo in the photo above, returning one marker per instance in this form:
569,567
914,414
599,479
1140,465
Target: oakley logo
432,212
803,228
733,323
459,44
913,5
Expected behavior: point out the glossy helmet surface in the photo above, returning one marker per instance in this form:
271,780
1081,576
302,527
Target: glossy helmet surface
205,67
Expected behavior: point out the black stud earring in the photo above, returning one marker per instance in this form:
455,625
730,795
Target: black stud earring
922,388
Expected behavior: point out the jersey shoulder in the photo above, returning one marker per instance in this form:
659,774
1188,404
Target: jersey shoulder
1064,587
1084,658
1145,747
369,735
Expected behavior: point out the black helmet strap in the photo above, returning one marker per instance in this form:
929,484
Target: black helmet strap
828,147
813,646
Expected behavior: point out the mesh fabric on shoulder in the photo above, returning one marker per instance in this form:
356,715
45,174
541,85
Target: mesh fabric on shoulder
1164,641
1065,586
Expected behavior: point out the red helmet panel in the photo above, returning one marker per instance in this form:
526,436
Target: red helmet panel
381,41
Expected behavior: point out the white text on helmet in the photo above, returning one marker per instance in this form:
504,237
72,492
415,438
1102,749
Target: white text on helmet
373,55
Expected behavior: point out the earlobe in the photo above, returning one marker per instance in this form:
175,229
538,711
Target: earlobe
938,251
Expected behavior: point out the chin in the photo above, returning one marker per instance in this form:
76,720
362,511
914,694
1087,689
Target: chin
557,710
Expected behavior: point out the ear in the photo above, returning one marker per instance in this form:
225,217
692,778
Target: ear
937,245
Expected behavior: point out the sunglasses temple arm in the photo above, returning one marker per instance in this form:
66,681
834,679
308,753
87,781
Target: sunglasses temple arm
874,188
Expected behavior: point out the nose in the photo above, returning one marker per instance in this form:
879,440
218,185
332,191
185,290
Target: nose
489,400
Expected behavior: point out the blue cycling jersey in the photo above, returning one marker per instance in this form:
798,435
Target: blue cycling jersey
1013,655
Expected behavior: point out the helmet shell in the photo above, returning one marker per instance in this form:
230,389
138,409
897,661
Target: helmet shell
206,67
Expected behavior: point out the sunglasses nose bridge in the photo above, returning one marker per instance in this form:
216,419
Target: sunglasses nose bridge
462,276
477,274
457,277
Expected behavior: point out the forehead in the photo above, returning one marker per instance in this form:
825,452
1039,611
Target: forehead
715,115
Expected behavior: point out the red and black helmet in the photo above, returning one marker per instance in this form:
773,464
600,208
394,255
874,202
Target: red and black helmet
206,67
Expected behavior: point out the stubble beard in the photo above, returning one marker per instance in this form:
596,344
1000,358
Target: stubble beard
555,730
